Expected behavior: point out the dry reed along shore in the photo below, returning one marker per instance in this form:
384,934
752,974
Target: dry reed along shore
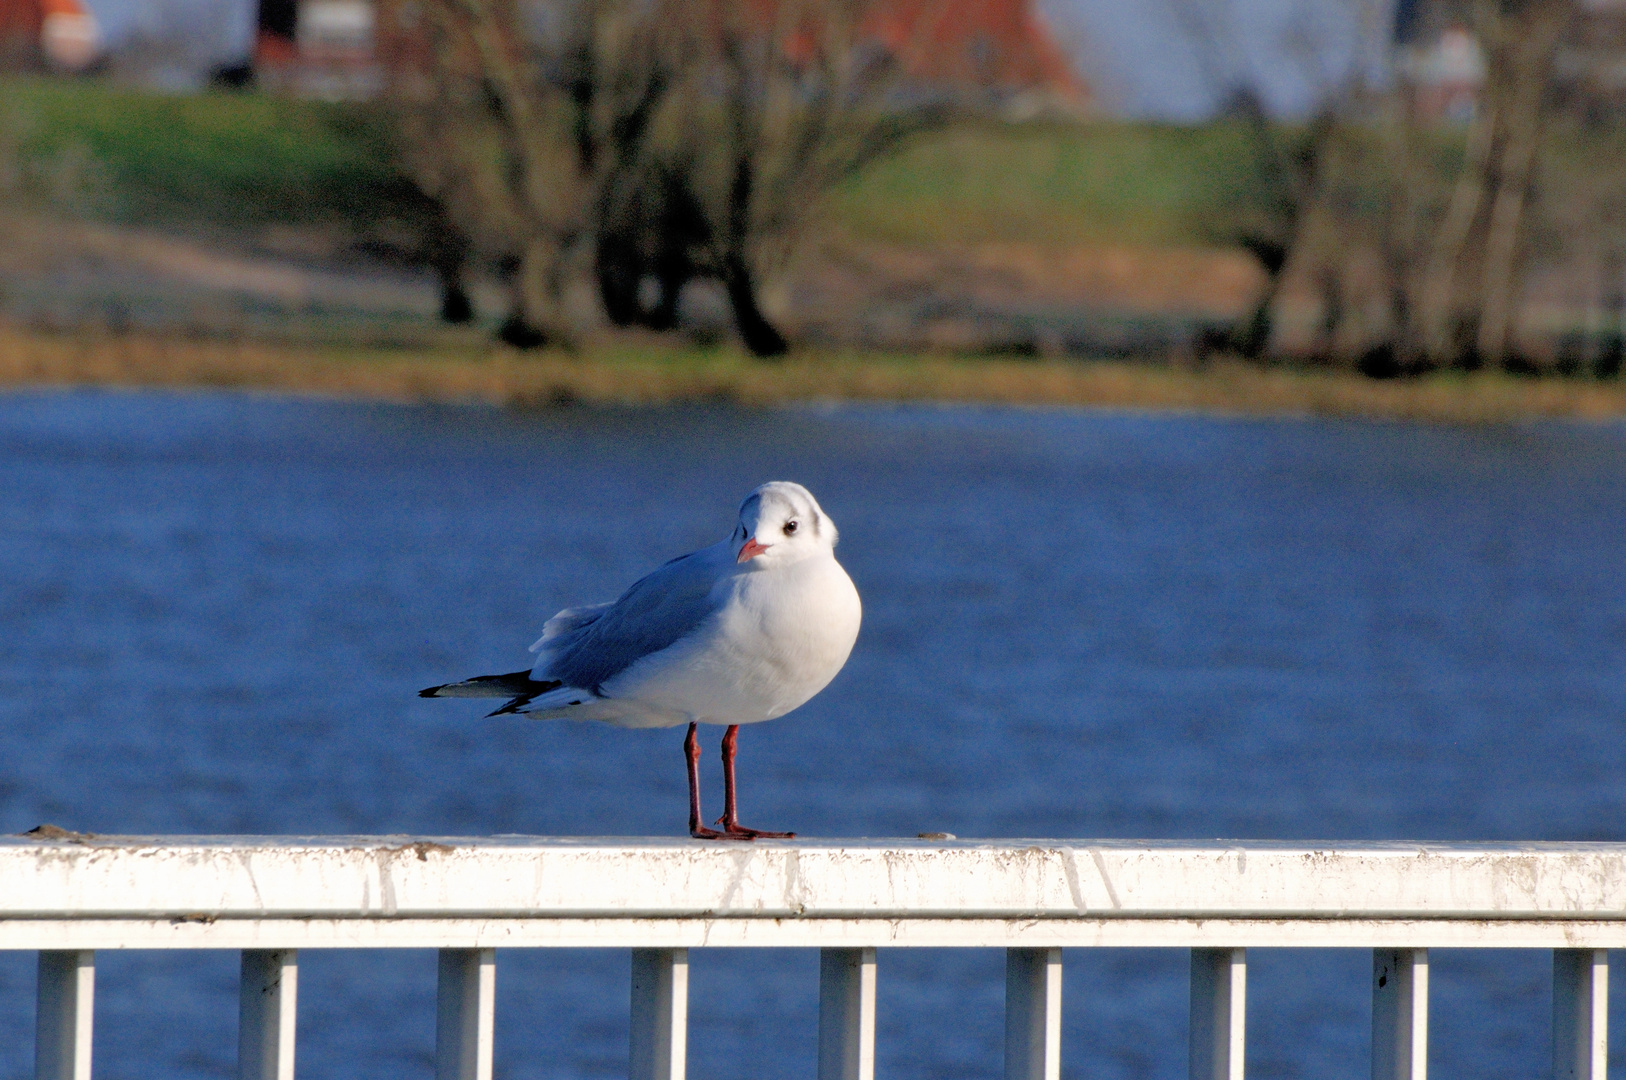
619,372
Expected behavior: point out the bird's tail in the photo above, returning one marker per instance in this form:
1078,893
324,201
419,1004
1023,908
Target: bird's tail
514,684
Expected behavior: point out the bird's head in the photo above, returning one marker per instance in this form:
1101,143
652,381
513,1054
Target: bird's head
780,522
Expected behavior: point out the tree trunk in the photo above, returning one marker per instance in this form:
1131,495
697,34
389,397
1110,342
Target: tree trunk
449,255
1531,68
1438,314
1496,297
536,319
756,331
1612,343
455,305
619,272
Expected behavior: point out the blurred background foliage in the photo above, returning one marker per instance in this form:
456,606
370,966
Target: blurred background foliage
1447,195
238,161
241,161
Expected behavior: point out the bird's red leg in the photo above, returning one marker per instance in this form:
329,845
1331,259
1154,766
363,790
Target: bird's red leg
730,821
691,751
731,812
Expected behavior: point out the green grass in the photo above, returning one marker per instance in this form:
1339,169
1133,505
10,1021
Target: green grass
221,158
246,160
1055,185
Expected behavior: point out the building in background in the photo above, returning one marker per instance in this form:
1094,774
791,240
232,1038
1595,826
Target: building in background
1443,66
70,38
318,48
53,35
1133,59
1592,70
1444,74
998,50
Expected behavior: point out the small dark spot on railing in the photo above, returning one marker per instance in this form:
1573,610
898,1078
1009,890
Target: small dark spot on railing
57,832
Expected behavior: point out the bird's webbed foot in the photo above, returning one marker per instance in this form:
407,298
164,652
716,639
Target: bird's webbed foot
700,832
733,830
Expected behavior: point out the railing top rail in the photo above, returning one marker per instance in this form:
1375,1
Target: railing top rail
403,877
395,841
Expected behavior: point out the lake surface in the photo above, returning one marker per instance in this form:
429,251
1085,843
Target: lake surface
218,610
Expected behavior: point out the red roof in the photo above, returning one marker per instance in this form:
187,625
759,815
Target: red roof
984,43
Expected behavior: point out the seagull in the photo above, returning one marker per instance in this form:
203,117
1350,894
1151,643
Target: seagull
736,633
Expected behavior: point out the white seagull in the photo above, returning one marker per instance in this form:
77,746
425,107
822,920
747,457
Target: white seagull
740,632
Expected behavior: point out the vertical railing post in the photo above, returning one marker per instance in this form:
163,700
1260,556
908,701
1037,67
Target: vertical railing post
267,1013
65,1009
1580,1014
1219,1013
660,1014
465,1014
1032,1014
847,1014
1399,1014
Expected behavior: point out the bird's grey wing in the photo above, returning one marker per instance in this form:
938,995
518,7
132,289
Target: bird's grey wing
565,627
655,613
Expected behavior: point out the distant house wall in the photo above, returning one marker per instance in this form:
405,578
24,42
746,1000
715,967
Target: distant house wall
59,35
20,24
319,48
1444,76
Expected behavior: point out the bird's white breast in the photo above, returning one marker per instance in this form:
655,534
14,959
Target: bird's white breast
779,636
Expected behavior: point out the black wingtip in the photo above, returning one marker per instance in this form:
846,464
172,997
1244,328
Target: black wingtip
432,691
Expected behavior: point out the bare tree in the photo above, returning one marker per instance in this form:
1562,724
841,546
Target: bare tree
673,138
1417,237
1290,159
515,116
465,209
1486,214
774,105
806,105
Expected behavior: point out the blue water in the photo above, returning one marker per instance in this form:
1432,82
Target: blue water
218,609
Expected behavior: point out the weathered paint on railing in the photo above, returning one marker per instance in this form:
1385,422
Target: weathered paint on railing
273,896
255,892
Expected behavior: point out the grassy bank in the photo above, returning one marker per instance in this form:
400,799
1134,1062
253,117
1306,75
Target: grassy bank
1057,185
222,159
247,160
638,373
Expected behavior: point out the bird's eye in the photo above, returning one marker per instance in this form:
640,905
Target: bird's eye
791,526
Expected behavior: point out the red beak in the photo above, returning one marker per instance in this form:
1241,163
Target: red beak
751,550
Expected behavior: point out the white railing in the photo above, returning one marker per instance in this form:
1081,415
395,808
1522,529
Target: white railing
271,897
